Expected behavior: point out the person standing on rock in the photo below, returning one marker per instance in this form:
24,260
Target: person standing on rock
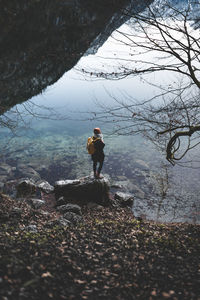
95,147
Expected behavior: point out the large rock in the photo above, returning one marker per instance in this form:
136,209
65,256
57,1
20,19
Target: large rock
45,187
84,190
124,199
25,188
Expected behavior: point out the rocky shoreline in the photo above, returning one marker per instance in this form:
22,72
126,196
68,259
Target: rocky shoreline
66,197
57,244
52,157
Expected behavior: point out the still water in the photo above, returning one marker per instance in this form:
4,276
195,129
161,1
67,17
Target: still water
53,146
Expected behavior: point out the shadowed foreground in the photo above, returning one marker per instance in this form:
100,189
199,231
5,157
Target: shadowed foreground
109,256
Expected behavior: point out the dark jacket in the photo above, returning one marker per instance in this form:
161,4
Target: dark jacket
98,154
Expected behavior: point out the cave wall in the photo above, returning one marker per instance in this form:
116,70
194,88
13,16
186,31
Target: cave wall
42,39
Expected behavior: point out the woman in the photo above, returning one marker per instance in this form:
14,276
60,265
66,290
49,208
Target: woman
98,156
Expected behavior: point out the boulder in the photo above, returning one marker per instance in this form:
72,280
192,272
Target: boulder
84,190
25,188
70,208
45,187
124,199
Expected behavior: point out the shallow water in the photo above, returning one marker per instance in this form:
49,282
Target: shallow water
56,149
131,163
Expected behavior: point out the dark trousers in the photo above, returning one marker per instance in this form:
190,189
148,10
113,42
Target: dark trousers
97,160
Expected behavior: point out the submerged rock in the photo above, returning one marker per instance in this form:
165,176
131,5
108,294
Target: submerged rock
3,179
6,170
127,186
141,164
24,171
84,190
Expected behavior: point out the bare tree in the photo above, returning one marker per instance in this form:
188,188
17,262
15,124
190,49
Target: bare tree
162,38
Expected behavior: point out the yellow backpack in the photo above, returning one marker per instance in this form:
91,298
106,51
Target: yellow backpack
90,145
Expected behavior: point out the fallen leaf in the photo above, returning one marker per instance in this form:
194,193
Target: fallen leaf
47,274
79,281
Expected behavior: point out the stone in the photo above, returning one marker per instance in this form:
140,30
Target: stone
25,188
60,222
116,186
40,168
63,222
70,208
61,201
127,186
92,205
45,213
137,191
84,190
45,187
31,228
72,217
3,178
124,199
1,185
36,203
16,212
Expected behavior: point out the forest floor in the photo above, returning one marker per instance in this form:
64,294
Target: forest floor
111,255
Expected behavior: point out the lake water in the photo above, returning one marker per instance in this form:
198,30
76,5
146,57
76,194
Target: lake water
54,147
